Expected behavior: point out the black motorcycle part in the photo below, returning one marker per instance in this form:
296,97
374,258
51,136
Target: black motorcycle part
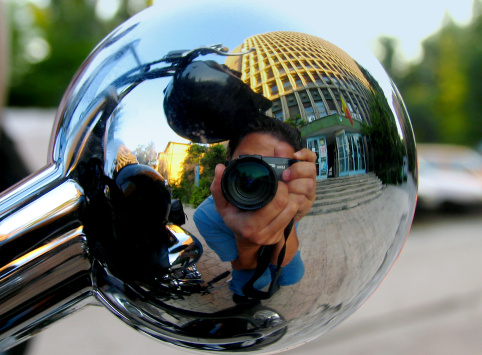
207,103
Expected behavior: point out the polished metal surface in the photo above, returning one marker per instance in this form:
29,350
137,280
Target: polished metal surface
45,270
94,222
45,210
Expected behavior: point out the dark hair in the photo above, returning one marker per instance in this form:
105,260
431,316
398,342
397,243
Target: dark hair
260,123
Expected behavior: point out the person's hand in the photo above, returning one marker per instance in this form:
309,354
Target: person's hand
264,226
300,178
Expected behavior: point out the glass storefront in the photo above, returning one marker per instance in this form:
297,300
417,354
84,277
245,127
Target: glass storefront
319,146
347,158
351,158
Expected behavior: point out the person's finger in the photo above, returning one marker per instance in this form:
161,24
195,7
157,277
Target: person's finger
279,213
299,170
274,231
306,155
216,191
303,186
262,226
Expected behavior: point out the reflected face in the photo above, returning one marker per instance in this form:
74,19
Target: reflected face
263,144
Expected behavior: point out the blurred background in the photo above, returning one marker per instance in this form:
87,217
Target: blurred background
431,302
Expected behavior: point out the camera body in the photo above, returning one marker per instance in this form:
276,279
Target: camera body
251,181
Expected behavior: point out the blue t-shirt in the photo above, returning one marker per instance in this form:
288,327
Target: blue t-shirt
222,240
214,231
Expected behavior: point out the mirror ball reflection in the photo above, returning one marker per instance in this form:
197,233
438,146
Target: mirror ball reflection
125,126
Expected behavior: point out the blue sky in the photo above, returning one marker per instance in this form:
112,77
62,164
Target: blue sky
352,25
410,21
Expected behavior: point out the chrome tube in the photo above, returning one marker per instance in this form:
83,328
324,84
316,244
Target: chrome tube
45,267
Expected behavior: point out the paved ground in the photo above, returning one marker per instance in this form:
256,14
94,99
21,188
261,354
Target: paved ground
431,302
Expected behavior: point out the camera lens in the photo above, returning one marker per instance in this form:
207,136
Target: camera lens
249,183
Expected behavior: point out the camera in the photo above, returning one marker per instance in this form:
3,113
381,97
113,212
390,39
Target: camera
251,181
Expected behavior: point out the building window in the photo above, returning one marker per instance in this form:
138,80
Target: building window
318,79
304,97
310,113
307,79
278,115
338,99
331,106
276,105
315,94
291,100
326,79
294,111
273,89
269,73
320,107
293,108
299,84
257,79
359,110
331,103
277,109
287,84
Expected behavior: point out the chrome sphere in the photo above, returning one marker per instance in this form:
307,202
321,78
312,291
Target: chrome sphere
167,79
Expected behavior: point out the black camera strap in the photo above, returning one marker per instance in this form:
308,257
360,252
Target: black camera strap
263,260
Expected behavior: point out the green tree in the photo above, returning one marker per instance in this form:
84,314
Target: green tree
296,122
49,43
214,155
146,154
385,143
442,90
389,56
473,56
452,83
207,158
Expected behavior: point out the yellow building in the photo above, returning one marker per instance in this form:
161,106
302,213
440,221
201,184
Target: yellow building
170,161
313,81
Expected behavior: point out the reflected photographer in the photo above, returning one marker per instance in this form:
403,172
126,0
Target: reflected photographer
237,235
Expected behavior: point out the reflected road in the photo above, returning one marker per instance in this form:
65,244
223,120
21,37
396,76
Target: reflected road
431,302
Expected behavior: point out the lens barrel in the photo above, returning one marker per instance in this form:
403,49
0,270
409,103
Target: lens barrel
249,183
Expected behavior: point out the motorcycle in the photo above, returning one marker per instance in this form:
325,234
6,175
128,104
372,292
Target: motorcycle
49,227
93,226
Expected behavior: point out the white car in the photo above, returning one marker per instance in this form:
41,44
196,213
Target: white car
449,174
